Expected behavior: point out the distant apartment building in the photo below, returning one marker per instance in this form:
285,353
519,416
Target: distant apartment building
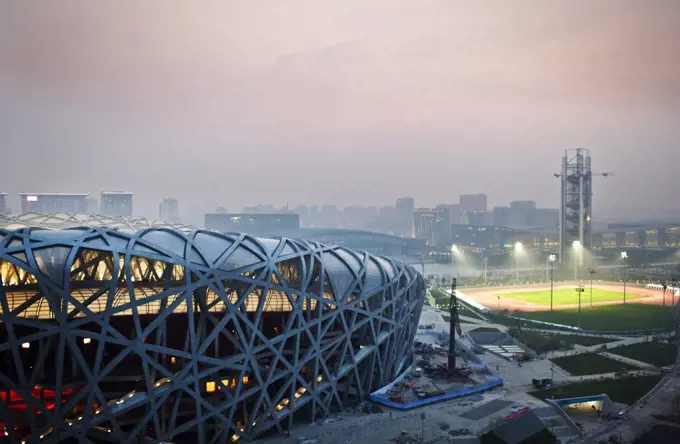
404,213
477,217
473,202
53,202
4,209
116,203
168,210
256,224
455,212
545,218
433,226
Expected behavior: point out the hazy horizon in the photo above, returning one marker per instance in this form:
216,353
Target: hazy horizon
226,103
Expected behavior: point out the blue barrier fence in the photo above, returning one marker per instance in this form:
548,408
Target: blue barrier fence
380,399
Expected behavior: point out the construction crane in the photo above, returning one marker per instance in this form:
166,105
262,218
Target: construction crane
585,175
527,353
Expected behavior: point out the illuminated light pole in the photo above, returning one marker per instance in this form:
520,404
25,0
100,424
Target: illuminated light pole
624,256
518,249
551,259
580,291
576,247
592,272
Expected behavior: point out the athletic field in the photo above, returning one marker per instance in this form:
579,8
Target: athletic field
568,296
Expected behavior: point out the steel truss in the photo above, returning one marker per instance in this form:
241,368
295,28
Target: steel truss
161,335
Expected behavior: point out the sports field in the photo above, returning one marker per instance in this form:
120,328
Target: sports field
567,296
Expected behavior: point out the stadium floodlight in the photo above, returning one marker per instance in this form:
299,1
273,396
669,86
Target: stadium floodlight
551,260
576,246
519,248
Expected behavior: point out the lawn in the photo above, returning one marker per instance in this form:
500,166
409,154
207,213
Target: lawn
655,353
590,364
586,341
625,390
539,342
567,296
609,317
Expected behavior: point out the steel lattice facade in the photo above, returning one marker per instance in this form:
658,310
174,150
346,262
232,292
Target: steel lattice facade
160,334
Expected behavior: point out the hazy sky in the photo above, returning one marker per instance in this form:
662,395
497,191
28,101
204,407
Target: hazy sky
355,101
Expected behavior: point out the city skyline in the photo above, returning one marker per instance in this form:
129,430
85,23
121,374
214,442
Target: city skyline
363,103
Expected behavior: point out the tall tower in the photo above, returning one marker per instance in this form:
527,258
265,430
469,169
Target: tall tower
576,207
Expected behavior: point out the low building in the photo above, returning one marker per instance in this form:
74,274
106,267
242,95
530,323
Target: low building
371,242
116,203
256,224
53,202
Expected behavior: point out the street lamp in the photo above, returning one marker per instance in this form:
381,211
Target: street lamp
592,272
580,291
624,256
551,260
518,249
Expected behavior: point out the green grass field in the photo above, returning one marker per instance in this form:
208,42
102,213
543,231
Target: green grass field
625,390
567,296
590,364
608,317
654,353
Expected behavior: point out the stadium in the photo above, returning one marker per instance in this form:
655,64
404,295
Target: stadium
147,334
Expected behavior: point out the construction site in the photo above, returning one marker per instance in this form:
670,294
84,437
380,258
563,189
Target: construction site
473,382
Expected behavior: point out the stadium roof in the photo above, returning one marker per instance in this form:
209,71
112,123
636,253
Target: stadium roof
59,221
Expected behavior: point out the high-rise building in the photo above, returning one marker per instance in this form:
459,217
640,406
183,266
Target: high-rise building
405,207
477,217
576,205
168,210
455,212
473,202
3,204
545,218
53,202
116,203
501,216
434,226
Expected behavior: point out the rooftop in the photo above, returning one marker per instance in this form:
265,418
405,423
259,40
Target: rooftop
58,221
54,194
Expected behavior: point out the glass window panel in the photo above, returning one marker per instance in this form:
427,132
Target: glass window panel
165,240
51,261
240,258
211,245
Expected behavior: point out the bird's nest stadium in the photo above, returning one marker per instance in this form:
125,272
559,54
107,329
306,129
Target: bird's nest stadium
162,334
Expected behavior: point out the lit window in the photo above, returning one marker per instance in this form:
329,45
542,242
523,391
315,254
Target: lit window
26,345
87,340
210,386
173,360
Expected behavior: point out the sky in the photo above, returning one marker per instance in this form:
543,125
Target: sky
231,103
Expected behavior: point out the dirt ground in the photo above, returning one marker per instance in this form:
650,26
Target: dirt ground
487,296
